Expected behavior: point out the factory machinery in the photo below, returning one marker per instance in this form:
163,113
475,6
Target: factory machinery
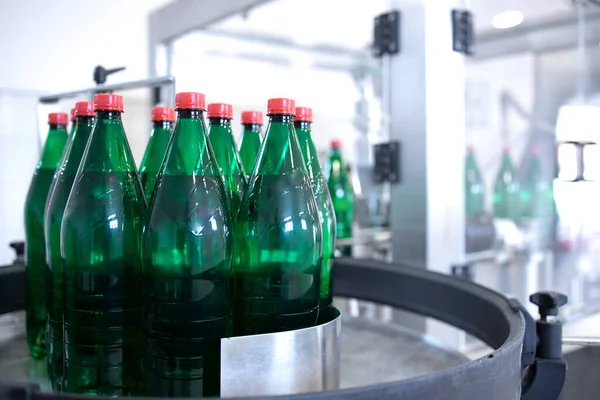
526,359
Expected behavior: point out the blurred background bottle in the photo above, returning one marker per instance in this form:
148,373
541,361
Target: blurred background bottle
187,264
252,122
55,207
506,190
277,270
474,188
162,126
303,124
35,246
101,243
228,160
342,194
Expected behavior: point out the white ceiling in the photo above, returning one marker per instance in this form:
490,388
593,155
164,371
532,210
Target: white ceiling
333,22
349,24
533,10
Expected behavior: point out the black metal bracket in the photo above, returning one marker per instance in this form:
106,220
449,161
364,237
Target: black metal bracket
101,73
386,34
463,33
545,377
387,162
464,271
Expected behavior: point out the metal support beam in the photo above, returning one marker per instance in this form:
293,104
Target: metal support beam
167,81
183,16
427,115
549,35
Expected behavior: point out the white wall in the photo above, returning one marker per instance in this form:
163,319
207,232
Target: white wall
53,46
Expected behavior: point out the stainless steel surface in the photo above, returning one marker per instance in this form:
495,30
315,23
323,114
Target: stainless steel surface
300,361
15,363
427,215
151,82
581,341
374,351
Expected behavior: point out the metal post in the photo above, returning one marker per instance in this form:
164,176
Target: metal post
428,119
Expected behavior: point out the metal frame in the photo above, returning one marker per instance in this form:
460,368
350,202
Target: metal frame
168,81
183,16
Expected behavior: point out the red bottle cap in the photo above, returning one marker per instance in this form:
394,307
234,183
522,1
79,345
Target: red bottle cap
58,118
84,108
220,110
73,114
281,106
252,117
535,150
470,148
109,102
303,114
506,149
337,143
163,114
190,100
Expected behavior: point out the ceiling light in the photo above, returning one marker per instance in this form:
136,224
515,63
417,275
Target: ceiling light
507,19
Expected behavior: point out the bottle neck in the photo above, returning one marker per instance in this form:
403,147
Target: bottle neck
285,118
219,121
189,113
162,124
85,119
252,127
506,161
188,143
108,114
302,125
57,127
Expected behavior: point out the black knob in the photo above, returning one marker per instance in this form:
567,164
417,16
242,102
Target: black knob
18,247
101,73
548,302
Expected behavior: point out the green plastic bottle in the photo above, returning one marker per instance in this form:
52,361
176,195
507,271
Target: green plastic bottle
162,127
506,190
342,194
277,271
35,246
100,248
187,257
55,206
252,122
474,188
303,123
537,196
222,141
